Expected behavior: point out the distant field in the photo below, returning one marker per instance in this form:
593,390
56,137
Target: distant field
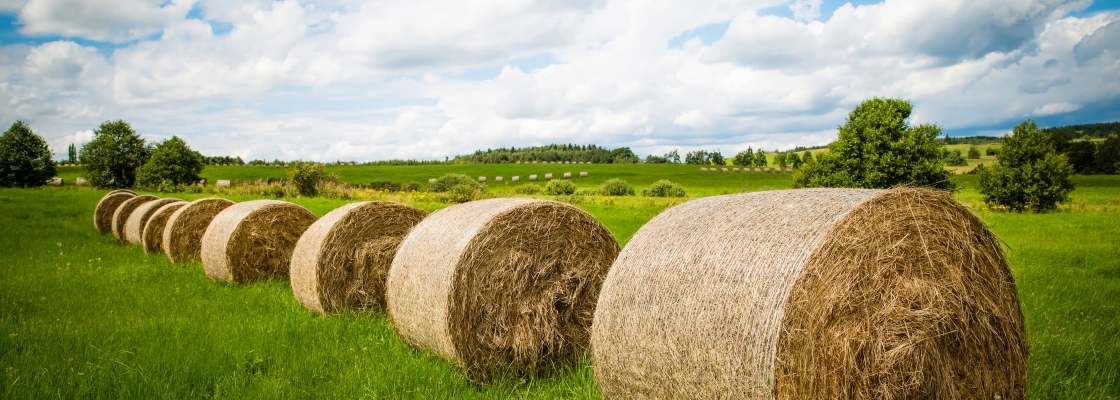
82,316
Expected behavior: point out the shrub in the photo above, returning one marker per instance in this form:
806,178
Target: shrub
306,177
616,187
172,162
1030,175
664,188
559,187
587,192
989,151
114,155
973,153
25,158
464,192
744,158
449,181
388,186
955,159
528,188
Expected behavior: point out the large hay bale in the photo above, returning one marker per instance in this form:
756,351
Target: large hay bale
222,183
182,237
123,211
532,178
56,181
80,181
106,207
152,237
498,178
567,175
501,286
857,294
482,179
583,174
343,259
516,178
734,170
703,169
548,176
253,240
134,225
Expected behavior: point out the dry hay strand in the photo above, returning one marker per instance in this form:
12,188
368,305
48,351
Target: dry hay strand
858,294
103,212
253,240
152,237
502,286
134,225
123,211
343,259
182,235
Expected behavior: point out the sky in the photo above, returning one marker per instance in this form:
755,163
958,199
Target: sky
422,79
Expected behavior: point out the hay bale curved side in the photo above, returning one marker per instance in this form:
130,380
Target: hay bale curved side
152,237
253,240
858,294
123,211
134,225
103,212
501,286
182,236
343,259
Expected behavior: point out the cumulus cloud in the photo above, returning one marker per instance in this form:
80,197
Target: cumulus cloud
102,20
1055,108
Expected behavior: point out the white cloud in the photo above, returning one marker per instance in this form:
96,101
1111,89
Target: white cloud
104,20
1055,108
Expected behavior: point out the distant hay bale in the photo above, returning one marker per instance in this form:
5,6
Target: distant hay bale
123,211
497,179
548,176
253,240
152,237
501,286
757,170
767,169
431,181
567,175
582,174
80,181
134,225
182,235
516,178
713,169
734,170
222,183
885,294
703,169
532,178
56,181
788,170
723,169
343,259
106,207
482,179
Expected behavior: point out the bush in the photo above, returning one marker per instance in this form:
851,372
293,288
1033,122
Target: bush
877,148
384,185
306,177
114,155
171,163
744,158
955,159
664,188
464,192
25,158
449,181
1030,175
989,151
616,187
973,153
559,187
528,188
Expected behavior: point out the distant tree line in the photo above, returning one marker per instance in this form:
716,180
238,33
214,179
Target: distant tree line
551,153
223,160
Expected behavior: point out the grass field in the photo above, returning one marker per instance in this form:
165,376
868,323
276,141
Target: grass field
82,316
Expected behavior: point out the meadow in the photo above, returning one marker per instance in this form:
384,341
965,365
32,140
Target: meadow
83,316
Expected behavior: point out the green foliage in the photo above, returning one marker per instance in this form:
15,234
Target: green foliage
1108,155
717,158
973,153
111,159
807,157
72,154
699,157
25,158
1082,156
990,151
448,181
744,158
559,187
780,159
760,159
954,158
877,148
528,188
664,188
552,152
793,159
623,155
224,160
616,187
1031,175
172,163
306,176
464,192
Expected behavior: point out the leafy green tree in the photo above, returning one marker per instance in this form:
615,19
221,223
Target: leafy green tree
172,163
306,176
111,159
72,154
449,181
699,157
954,158
760,159
780,159
717,158
793,159
1082,156
1030,175
1108,155
807,157
673,157
973,153
744,158
25,158
877,148
989,151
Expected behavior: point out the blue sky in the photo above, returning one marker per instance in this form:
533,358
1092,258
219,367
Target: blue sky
365,80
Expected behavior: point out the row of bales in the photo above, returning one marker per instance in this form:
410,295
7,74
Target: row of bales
756,170
861,293
517,178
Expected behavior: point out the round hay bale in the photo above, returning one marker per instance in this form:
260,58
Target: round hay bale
583,174
497,179
152,236
431,181
253,240
532,178
548,176
182,236
501,286
80,181
106,207
516,178
757,170
343,259
567,175
789,170
767,169
734,170
123,211
134,225
222,183
482,179
723,169
703,169
859,293
56,181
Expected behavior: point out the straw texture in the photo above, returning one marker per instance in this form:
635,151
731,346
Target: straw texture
106,207
253,240
823,293
343,259
120,216
501,286
152,237
134,225
182,236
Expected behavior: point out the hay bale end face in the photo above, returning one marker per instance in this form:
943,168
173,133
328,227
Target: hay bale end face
860,294
343,259
735,170
723,169
106,207
152,236
120,216
253,240
182,235
501,286
757,170
134,225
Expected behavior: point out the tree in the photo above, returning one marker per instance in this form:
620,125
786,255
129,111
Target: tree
793,159
111,159
955,159
72,154
877,148
306,176
780,160
989,151
973,153
1030,175
1082,156
760,159
717,158
807,157
744,158
673,157
699,157
25,158
172,162
1108,155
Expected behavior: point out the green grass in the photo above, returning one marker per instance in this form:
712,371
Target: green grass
82,316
